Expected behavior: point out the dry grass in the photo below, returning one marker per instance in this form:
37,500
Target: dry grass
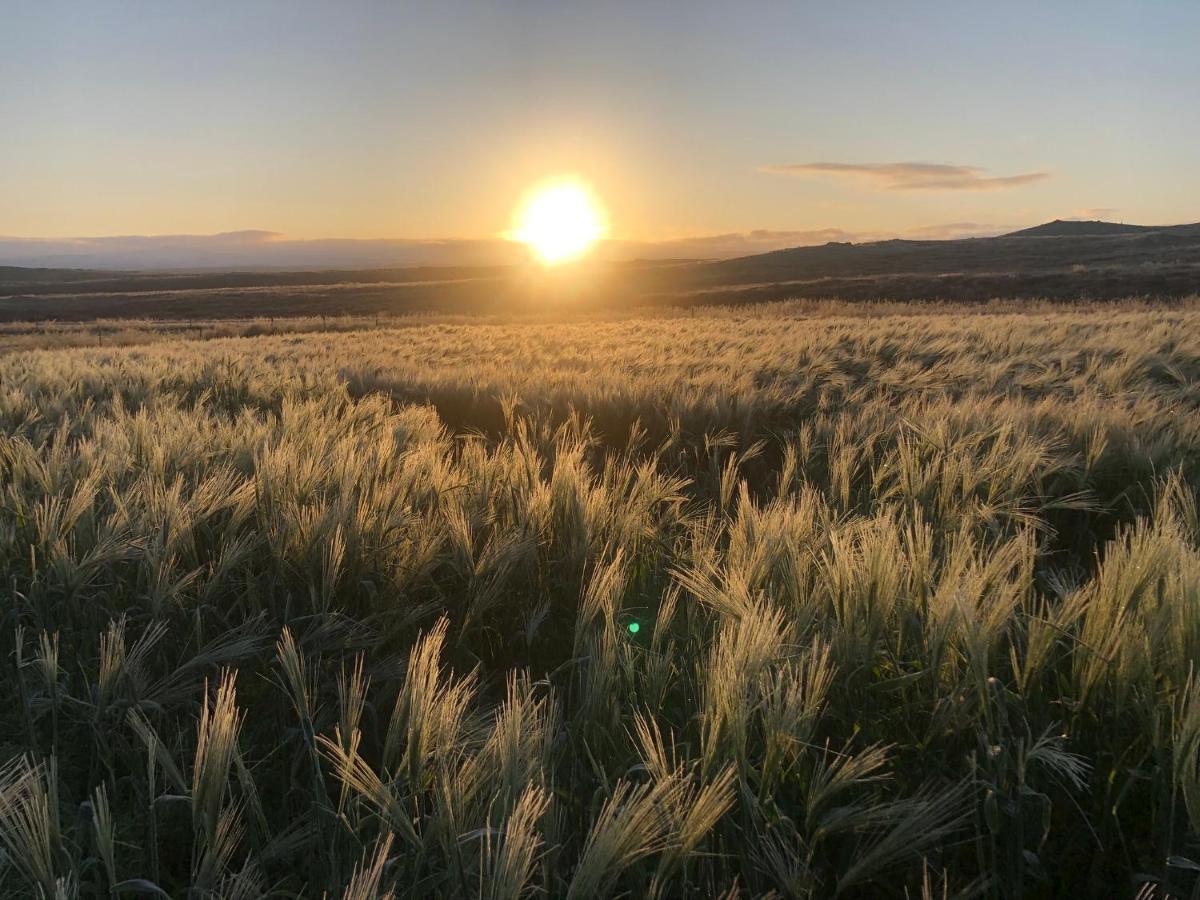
915,593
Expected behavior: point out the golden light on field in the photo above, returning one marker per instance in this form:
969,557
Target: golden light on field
559,220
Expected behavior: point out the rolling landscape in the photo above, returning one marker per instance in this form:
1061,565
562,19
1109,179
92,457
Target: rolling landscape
618,451
1058,261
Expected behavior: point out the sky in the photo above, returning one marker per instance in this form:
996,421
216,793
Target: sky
414,129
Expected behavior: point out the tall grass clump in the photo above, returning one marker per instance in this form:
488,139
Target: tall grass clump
752,603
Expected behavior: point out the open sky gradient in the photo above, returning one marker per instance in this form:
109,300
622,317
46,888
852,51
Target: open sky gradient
412,122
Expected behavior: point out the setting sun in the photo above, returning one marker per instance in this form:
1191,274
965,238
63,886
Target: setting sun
559,221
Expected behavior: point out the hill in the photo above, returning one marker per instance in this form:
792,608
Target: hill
1075,228
29,275
1057,260
1087,245
1099,260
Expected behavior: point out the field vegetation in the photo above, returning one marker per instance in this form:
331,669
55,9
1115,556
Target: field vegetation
44,335
756,602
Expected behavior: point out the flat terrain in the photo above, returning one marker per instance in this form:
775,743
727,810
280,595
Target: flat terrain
1072,261
767,601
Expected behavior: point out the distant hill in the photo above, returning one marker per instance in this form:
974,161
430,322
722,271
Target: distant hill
1082,244
27,275
1075,228
1058,260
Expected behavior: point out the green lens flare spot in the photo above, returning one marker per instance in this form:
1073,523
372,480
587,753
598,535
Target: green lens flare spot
634,627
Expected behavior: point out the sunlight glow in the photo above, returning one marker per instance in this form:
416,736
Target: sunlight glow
559,220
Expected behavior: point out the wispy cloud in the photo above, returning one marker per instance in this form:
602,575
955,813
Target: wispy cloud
911,176
250,249
952,230
1095,212
272,250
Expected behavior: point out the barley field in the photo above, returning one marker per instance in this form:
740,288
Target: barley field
753,602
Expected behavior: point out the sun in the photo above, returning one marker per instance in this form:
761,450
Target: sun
559,220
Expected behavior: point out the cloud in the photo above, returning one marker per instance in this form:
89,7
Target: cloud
250,250
952,230
1094,212
272,250
911,176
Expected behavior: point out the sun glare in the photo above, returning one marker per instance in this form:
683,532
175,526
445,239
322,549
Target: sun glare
559,221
